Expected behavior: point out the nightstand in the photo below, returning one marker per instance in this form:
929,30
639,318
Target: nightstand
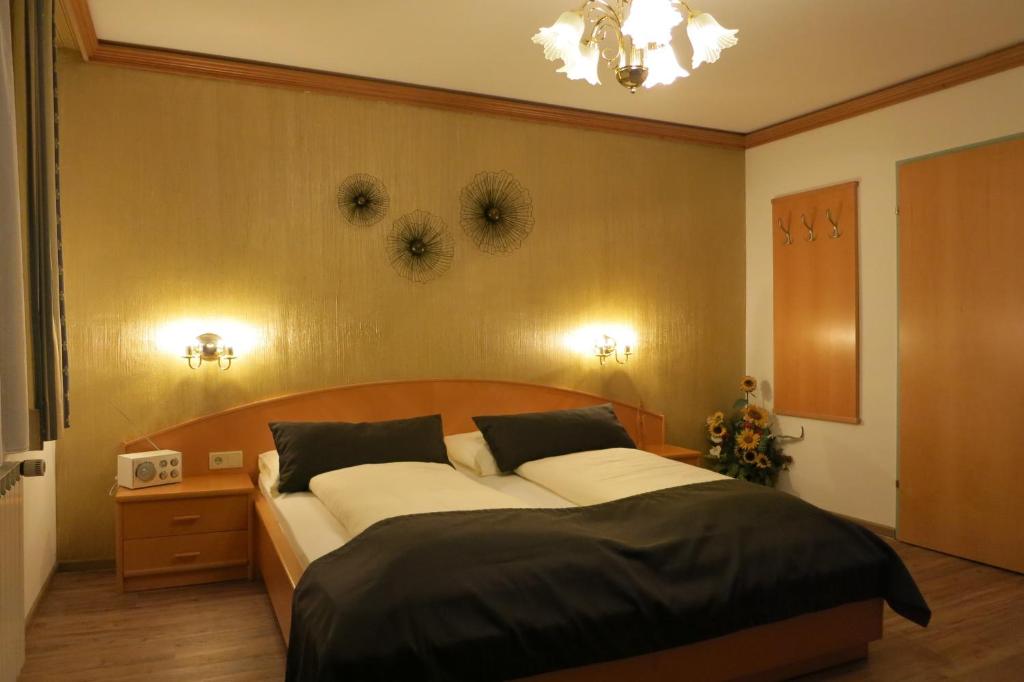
677,453
196,531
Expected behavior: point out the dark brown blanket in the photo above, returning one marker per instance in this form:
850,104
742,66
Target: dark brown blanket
500,594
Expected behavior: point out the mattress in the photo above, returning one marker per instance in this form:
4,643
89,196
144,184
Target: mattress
313,531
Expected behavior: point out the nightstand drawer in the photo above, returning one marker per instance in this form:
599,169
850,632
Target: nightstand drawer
185,516
185,553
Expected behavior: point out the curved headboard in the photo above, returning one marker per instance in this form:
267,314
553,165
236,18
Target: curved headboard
456,400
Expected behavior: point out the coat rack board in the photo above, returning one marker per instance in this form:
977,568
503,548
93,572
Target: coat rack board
815,304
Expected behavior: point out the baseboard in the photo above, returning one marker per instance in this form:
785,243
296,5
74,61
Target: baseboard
39,597
877,528
86,565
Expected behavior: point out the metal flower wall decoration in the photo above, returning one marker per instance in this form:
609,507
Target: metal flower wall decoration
420,247
497,212
363,199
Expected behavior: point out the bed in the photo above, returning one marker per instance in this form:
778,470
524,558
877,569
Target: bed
295,530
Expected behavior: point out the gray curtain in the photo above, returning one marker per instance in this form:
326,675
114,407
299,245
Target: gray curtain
14,430
46,260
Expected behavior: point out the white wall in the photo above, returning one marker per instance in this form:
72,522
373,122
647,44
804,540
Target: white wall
851,469
40,522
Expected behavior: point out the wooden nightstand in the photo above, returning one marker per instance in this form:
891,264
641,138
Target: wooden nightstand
677,453
196,531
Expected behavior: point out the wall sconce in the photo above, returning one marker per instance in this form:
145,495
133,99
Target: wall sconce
209,347
608,347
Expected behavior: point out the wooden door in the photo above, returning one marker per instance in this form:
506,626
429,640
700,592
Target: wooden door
961,351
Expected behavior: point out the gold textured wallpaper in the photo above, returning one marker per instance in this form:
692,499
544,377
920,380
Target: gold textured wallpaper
195,205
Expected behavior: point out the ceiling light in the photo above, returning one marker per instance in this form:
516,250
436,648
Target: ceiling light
634,38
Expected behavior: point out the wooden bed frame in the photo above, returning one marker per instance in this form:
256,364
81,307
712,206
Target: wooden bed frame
769,652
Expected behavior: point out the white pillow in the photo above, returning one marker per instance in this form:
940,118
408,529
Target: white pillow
269,469
470,451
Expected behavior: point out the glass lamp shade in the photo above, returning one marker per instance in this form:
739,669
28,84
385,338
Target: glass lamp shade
651,22
708,38
561,40
584,65
663,67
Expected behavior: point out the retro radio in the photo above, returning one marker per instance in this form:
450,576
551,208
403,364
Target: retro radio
143,469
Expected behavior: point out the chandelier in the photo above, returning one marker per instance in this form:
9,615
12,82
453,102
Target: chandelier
634,38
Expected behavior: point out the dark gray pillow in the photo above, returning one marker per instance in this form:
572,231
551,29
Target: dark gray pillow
307,449
515,439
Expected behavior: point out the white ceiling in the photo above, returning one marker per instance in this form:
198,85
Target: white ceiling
794,56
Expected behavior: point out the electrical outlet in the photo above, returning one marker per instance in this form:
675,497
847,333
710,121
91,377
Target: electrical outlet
231,459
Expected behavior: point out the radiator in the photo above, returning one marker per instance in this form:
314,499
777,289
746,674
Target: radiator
12,574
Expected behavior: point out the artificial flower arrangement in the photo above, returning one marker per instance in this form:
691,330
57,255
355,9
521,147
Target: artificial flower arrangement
743,445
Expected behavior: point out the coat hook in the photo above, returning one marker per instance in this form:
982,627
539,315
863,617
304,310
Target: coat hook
836,233
788,238
810,228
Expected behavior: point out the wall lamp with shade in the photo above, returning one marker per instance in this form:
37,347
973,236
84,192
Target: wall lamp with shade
603,340
211,348
608,347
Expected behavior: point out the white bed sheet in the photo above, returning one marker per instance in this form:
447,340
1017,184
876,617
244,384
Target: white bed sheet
313,530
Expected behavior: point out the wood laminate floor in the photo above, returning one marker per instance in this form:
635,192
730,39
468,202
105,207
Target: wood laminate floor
85,630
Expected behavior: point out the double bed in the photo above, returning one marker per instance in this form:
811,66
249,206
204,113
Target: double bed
693,623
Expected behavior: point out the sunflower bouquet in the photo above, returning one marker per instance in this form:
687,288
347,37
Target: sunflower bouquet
743,445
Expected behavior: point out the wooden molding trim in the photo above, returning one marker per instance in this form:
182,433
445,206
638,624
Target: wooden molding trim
169,61
972,69
85,565
80,18
876,528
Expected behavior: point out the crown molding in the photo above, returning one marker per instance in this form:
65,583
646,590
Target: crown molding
957,74
169,61
80,18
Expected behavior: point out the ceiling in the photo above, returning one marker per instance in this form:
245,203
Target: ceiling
794,56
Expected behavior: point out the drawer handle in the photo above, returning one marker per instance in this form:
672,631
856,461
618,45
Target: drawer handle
185,518
186,555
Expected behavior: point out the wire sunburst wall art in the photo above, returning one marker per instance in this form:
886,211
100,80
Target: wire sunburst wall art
420,247
497,212
363,199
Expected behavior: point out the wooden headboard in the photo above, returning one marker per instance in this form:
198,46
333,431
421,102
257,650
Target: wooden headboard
456,400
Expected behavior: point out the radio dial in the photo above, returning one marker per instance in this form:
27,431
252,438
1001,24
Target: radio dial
145,471
163,475
174,473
